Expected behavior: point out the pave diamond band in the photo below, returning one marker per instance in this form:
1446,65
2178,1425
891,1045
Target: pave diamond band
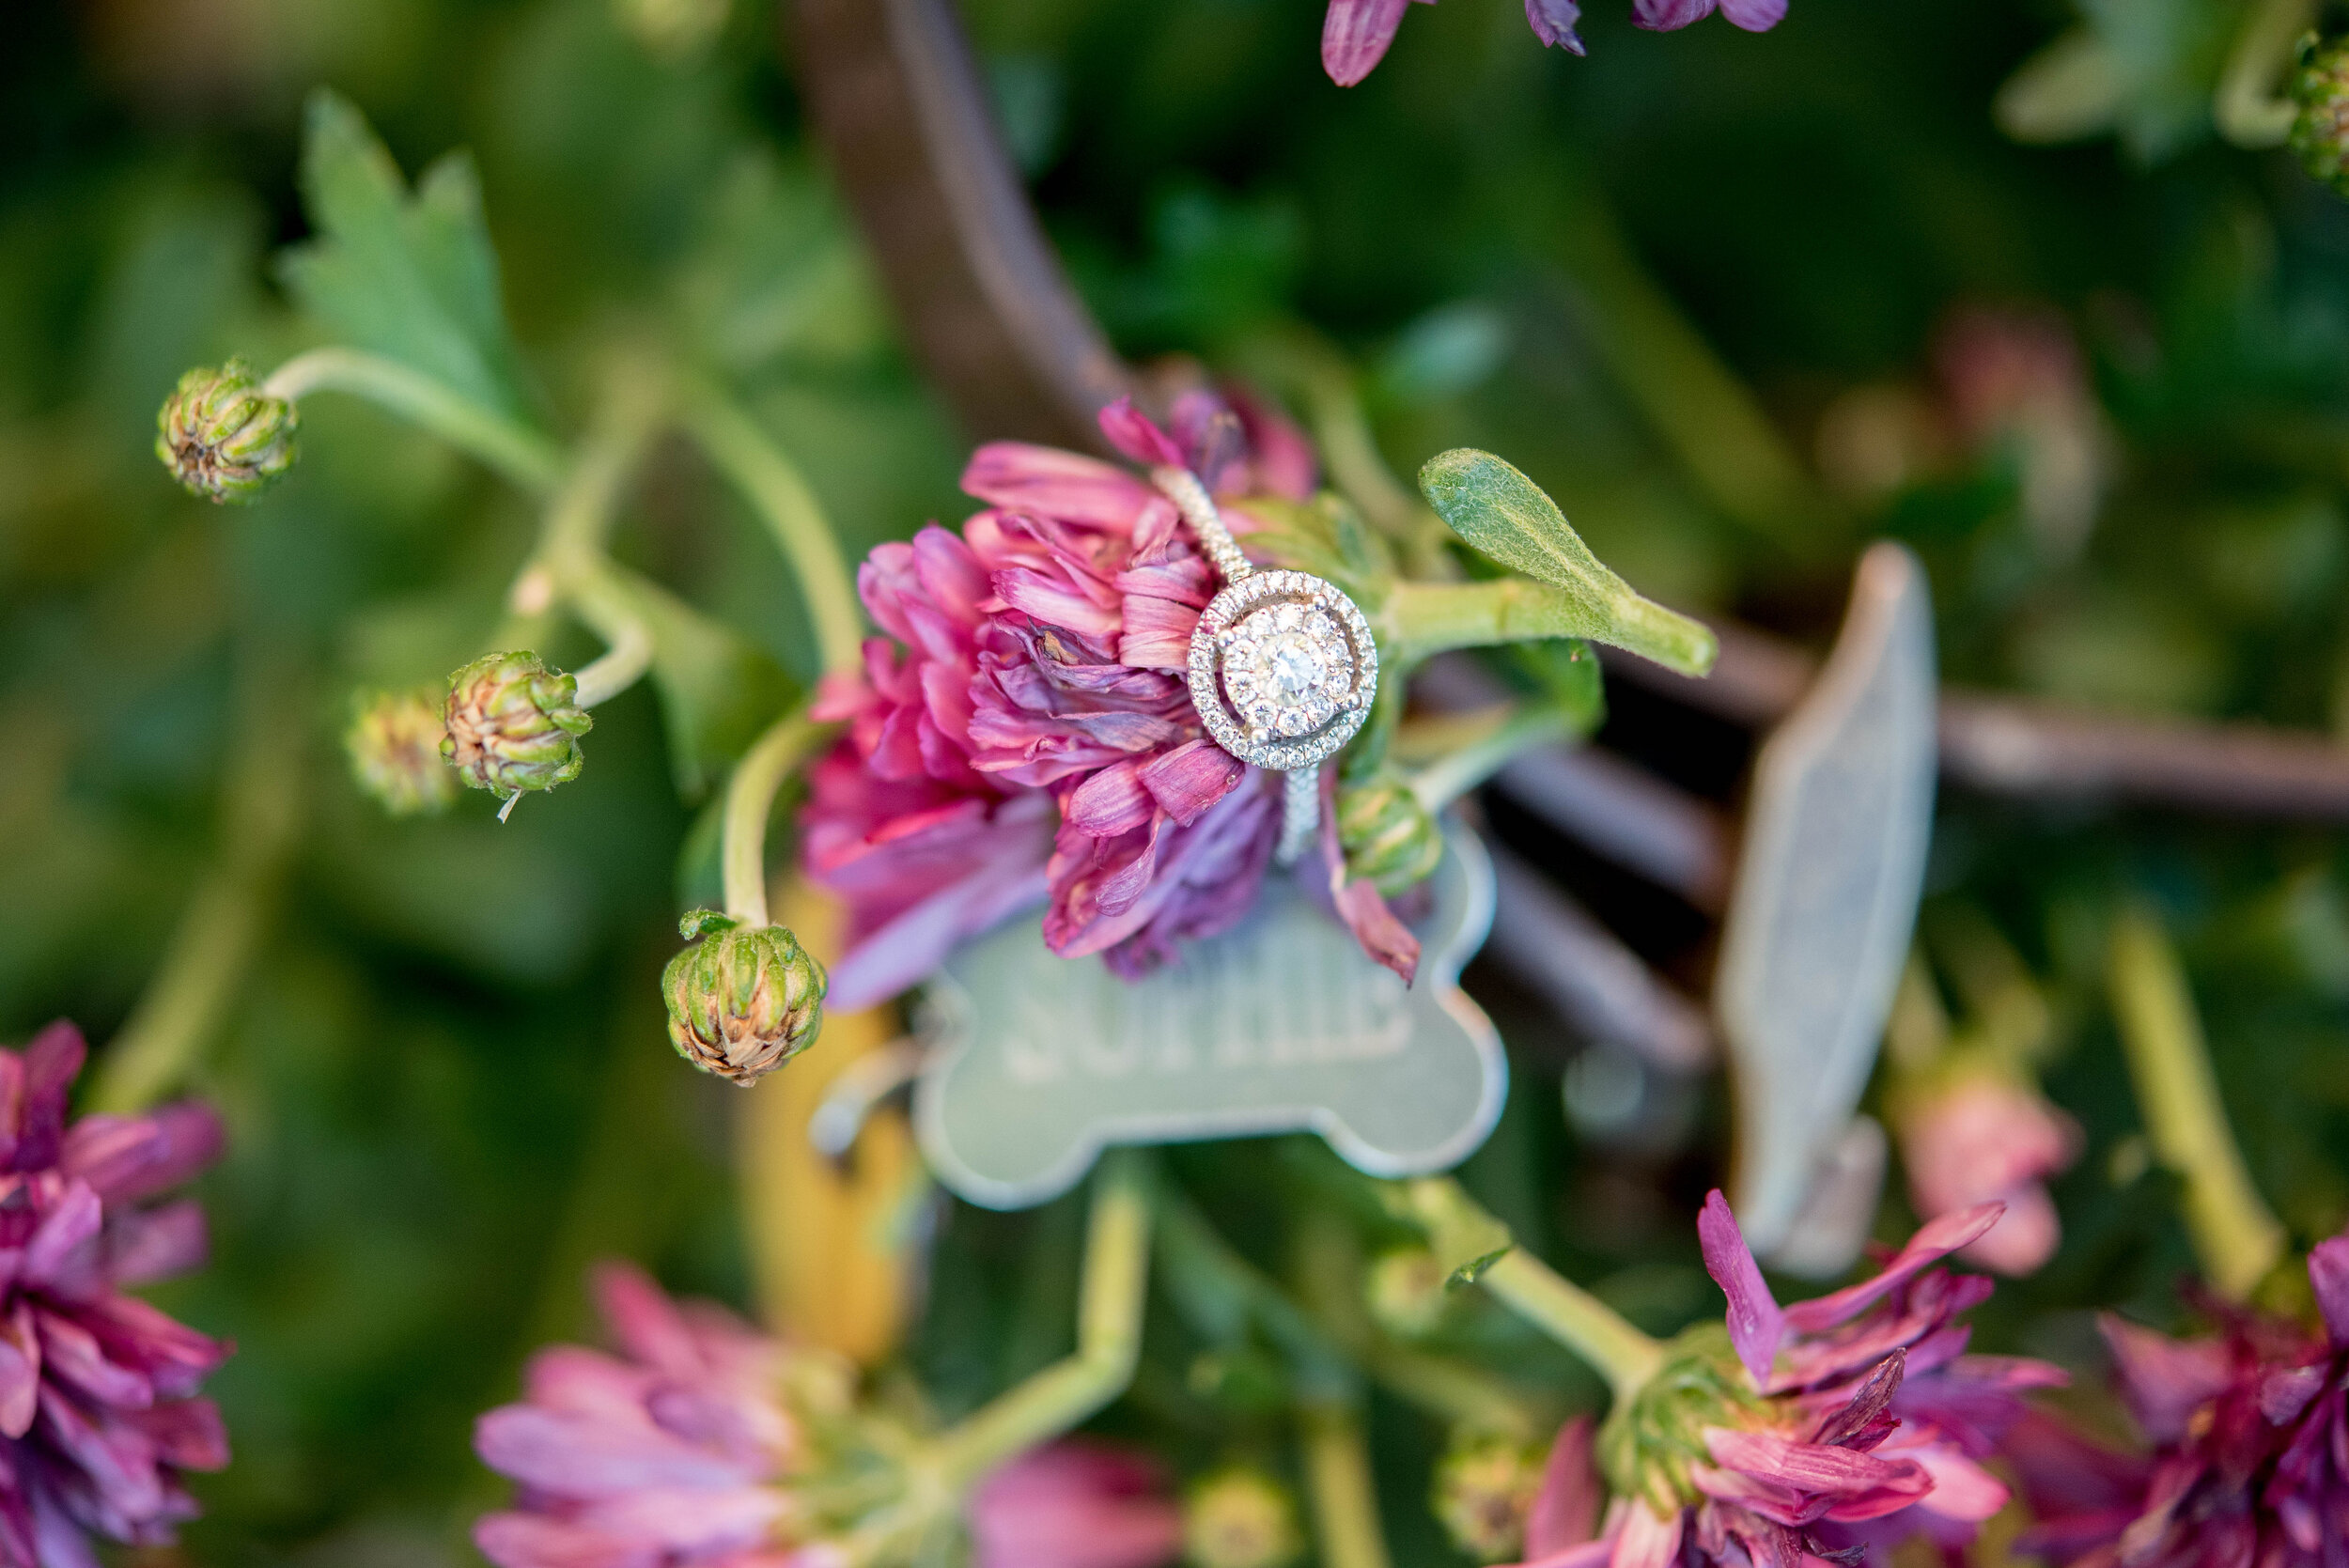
1282,667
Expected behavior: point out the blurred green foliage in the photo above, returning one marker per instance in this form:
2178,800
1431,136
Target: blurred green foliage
1723,296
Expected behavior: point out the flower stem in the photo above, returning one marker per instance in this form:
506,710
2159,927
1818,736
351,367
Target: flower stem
1109,1338
1344,1497
515,450
781,496
1444,781
569,564
2237,1236
751,800
1418,620
1463,1234
226,918
2248,106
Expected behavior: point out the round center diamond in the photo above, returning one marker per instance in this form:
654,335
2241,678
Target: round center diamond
1285,668
1292,668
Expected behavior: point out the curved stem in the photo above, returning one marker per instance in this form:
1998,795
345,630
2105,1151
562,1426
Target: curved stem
2235,1235
2247,107
1109,1338
750,799
514,449
1345,1494
1465,1237
781,496
1444,781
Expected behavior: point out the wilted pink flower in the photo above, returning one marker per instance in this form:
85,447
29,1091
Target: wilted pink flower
1857,1422
98,1417
2015,381
673,1453
1983,1138
1034,667
2249,1430
1355,34
1076,1504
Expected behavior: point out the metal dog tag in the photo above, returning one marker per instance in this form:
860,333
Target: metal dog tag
1818,926
1039,1062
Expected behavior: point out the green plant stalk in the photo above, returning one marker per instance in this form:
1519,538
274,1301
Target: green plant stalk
751,800
212,947
1439,783
1418,620
2235,1235
1463,1234
513,449
1109,1339
2247,107
569,565
778,492
1345,1496
1189,1245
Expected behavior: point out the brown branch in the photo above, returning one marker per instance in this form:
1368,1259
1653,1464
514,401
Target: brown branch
2026,748
898,103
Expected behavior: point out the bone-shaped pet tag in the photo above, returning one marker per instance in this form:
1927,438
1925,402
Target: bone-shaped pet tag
1280,1025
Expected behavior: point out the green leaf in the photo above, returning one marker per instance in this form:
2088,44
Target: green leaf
1473,1271
1505,516
718,689
410,277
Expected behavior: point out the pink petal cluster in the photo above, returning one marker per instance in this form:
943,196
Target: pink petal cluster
1873,1428
1355,34
1024,730
2249,1433
98,1409
1986,1138
673,1453
1076,1504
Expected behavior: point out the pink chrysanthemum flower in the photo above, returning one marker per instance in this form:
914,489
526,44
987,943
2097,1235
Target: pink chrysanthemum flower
98,1413
1024,731
703,1443
1985,1137
1076,1504
1836,1428
1355,34
2249,1429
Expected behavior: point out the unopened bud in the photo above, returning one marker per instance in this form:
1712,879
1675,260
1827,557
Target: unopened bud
1484,1489
1404,1291
2320,131
222,436
393,743
513,724
1390,840
742,999
1240,1517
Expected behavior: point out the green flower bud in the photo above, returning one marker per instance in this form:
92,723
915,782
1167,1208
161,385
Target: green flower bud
513,726
222,436
1484,1489
1653,1440
393,743
743,1001
1405,1291
1390,839
2320,131
1240,1517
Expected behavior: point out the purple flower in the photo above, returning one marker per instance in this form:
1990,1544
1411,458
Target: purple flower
1076,1504
1355,34
673,1453
1833,1428
1024,732
98,1413
2249,1433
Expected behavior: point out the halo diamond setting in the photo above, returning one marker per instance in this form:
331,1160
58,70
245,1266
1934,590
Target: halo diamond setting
1283,670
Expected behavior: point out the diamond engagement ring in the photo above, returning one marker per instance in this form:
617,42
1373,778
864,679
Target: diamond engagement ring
1282,668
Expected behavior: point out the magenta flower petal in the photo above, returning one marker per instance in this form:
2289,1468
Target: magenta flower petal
1075,1504
2164,1380
1355,35
1936,1239
49,1066
1754,16
1553,21
1566,1511
1191,778
125,1159
1139,437
1043,481
1755,1322
1663,16
1845,1477
2329,1276
1646,1540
